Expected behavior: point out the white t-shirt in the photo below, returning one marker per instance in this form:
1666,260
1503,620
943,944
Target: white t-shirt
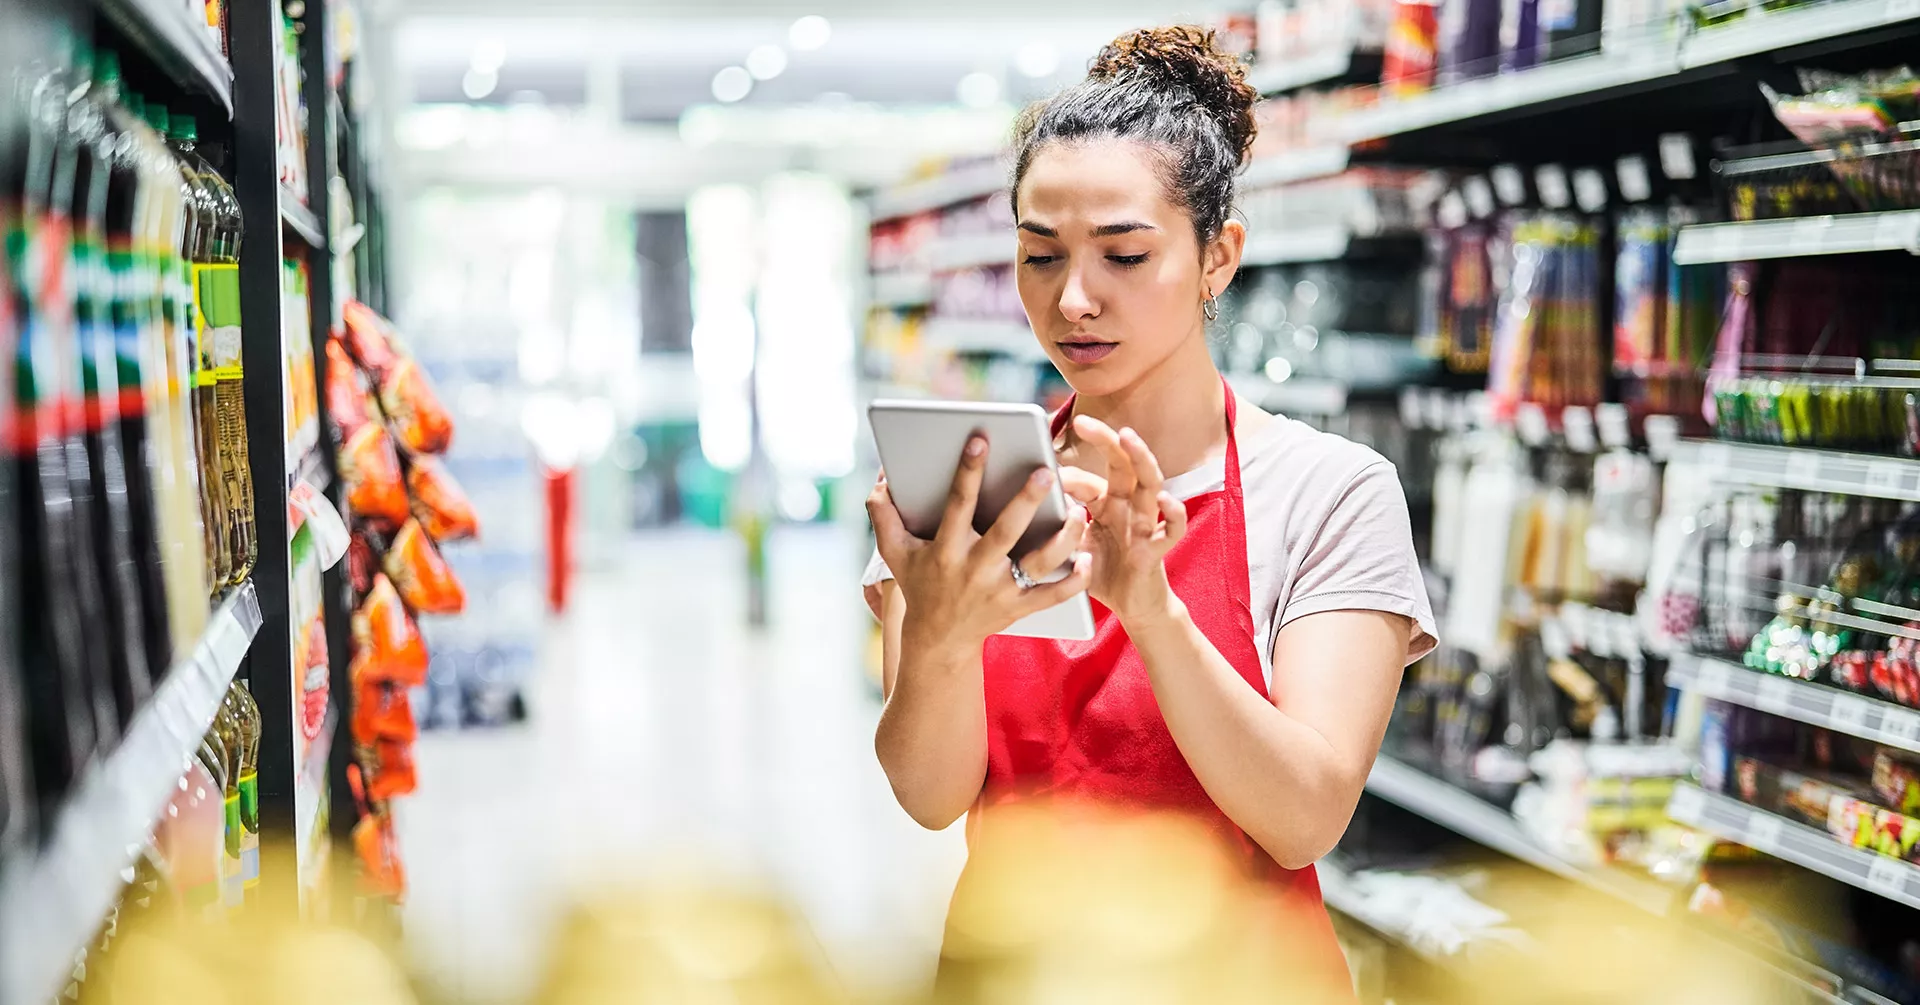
1327,530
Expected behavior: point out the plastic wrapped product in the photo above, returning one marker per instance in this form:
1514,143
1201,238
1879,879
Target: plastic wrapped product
380,713
393,773
439,503
420,574
387,646
419,422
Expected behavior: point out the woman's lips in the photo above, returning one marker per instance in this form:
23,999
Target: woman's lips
1086,352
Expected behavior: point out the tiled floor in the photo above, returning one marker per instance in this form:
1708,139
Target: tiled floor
664,731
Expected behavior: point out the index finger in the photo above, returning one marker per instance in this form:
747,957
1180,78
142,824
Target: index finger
956,524
889,531
1120,475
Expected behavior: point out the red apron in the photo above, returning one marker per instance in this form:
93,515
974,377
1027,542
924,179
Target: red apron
1078,720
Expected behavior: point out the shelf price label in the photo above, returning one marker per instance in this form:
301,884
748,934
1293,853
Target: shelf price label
1901,726
1775,694
1848,714
1687,804
1714,678
1885,476
1900,10
1803,467
1886,876
1763,832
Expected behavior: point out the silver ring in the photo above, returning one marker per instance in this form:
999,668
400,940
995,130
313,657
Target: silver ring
1020,577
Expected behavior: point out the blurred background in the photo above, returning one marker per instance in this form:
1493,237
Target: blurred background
534,341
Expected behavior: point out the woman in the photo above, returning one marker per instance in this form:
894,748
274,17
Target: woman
1255,586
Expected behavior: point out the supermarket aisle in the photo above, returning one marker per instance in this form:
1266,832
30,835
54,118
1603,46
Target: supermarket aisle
662,728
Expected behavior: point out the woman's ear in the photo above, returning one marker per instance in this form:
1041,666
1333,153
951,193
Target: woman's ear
1221,260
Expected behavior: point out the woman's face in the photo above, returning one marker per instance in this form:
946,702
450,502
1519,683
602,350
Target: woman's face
1109,270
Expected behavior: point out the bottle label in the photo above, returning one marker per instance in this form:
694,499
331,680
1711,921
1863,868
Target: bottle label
250,829
232,880
216,298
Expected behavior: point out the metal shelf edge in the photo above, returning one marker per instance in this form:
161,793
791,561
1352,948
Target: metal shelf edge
1795,842
1831,708
1798,237
176,42
301,220
1290,73
52,903
1805,468
1304,164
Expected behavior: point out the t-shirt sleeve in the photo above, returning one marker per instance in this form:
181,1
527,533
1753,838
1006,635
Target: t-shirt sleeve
1362,559
870,580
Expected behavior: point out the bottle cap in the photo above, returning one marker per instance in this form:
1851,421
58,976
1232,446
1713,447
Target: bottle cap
106,67
185,128
136,104
157,118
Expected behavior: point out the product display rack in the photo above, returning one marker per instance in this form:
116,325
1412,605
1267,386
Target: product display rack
1303,164
1815,704
1796,237
54,897
1797,843
51,904
1803,468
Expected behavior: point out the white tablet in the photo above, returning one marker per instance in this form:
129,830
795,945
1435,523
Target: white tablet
920,444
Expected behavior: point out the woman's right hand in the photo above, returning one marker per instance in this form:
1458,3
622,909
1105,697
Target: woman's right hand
959,587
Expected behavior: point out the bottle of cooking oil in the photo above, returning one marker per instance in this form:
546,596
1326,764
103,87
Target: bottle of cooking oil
222,335
226,724
204,243
247,713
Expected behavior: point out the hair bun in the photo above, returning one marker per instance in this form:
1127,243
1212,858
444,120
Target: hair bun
1185,56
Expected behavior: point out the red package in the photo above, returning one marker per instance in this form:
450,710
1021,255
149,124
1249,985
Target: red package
420,423
420,574
347,394
371,471
387,647
367,339
393,773
381,712
381,874
439,503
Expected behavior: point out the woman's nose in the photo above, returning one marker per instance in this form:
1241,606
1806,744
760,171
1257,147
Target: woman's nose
1076,302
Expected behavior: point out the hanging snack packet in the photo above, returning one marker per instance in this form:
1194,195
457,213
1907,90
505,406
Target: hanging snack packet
367,339
382,713
420,574
393,773
387,646
439,503
369,468
420,423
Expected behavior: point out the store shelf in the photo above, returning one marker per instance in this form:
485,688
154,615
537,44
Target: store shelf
300,219
181,45
949,189
1294,165
1816,704
1531,89
1459,811
902,290
1291,73
1338,893
1012,338
1797,843
51,904
1293,396
950,254
1797,237
1803,468
1761,30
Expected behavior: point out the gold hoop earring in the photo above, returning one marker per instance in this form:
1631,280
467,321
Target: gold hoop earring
1211,309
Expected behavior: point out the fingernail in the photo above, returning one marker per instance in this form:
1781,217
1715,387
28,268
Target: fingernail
976,446
1043,477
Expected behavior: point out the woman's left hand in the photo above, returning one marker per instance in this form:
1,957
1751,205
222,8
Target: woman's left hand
1135,522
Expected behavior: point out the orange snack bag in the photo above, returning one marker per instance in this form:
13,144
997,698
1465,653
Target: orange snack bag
347,394
420,574
367,338
420,423
439,503
371,470
381,712
393,773
387,646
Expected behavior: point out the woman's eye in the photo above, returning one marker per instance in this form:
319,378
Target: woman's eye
1127,261
1038,259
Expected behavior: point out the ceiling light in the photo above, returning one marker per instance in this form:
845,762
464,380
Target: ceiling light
731,84
766,62
477,83
978,90
1037,59
489,56
809,33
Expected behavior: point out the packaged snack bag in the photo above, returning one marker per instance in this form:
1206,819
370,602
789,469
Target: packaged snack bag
439,503
382,712
367,339
420,574
393,773
419,422
387,647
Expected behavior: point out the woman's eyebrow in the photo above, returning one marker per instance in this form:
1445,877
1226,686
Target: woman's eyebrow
1116,229
1035,228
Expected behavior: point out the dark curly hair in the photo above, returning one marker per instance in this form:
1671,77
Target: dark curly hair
1167,87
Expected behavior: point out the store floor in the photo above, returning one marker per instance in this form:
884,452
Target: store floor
664,734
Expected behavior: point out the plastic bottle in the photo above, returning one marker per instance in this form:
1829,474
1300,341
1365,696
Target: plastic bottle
106,193
203,248
248,713
16,783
